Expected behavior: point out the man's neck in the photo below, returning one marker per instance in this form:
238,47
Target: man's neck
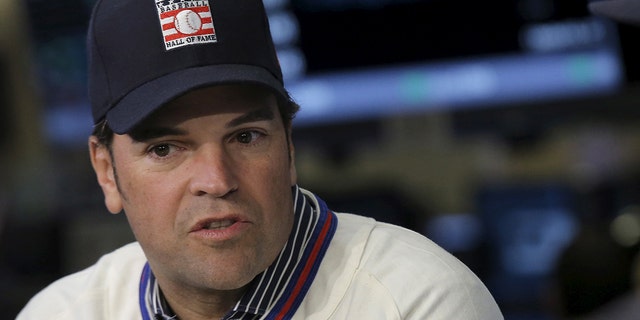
199,305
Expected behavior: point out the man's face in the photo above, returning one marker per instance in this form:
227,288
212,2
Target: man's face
206,186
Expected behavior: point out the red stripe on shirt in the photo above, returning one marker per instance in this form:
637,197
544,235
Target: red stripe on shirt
307,268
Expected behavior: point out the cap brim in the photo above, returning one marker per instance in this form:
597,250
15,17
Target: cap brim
625,11
144,100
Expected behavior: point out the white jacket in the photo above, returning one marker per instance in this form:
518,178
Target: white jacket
371,270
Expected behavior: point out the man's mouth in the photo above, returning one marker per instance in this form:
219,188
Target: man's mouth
213,225
218,230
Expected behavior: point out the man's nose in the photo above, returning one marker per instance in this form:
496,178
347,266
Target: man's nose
212,172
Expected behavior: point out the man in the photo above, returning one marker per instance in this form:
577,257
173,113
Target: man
193,142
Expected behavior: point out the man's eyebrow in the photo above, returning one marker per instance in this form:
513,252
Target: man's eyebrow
150,133
146,133
260,114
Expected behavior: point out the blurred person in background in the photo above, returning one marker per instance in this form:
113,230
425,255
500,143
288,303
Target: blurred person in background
597,278
594,280
621,11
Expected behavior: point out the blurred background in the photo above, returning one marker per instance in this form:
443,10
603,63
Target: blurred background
509,134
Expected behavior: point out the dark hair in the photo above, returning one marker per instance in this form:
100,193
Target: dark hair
287,107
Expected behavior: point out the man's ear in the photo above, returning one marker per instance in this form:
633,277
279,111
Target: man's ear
292,158
103,166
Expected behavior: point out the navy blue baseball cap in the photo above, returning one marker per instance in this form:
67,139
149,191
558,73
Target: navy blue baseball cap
145,53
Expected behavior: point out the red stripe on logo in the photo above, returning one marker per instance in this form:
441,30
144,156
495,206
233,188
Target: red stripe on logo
172,24
179,35
173,13
168,26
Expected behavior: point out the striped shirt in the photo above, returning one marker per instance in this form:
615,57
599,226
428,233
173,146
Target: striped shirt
277,292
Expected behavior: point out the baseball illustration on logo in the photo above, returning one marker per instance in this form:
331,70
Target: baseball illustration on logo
188,23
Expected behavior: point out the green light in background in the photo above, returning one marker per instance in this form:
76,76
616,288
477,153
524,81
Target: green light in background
581,70
415,87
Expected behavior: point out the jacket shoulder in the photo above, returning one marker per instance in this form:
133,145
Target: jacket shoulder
415,277
91,293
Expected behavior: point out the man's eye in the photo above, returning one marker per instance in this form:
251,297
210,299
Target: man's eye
161,151
247,137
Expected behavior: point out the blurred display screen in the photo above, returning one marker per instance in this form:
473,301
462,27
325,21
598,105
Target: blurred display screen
527,229
349,60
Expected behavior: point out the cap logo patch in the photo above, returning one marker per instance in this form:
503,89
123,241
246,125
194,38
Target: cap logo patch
186,22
